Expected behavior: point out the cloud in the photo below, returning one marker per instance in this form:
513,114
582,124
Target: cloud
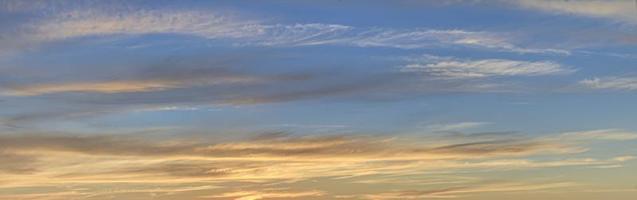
124,86
79,92
611,83
459,191
313,147
89,191
100,21
17,163
280,146
214,81
42,195
624,158
89,145
141,79
456,126
623,11
99,87
453,68
415,39
605,134
267,194
245,168
79,23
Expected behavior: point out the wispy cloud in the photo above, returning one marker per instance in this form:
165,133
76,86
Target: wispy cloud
245,32
99,87
277,159
97,23
146,79
335,147
460,191
617,10
122,86
273,146
164,84
456,126
611,83
606,134
136,64
454,68
413,39
266,194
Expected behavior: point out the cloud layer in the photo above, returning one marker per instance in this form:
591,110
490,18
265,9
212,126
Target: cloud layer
281,161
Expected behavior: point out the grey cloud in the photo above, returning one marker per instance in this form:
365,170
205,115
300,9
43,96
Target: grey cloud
498,147
284,146
176,168
13,163
310,147
109,145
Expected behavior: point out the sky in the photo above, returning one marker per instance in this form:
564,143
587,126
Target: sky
332,99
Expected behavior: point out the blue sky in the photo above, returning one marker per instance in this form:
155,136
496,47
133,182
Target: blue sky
157,91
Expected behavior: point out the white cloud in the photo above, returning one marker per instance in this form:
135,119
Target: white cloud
456,126
95,23
413,39
244,32
613,83
604,134
625,11
624,158
454,68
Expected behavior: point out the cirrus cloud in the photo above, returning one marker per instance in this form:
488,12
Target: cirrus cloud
611,83
79,23
454,68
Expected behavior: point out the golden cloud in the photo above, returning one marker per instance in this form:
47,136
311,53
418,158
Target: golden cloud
242,169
